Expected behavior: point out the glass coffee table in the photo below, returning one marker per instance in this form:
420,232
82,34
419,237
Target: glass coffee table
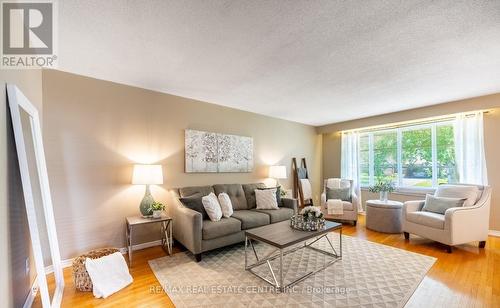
282,236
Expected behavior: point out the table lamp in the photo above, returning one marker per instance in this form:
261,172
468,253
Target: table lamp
277,172
147,175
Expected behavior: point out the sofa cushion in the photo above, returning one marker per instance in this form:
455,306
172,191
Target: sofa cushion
225,204
189,191
429,219
251,219
266,199
235,193
281,214
195,203
212,207
278,193
249,190
215,229
468,192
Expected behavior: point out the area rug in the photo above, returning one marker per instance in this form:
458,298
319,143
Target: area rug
369,275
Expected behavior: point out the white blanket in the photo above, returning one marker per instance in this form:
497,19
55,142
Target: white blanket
335,207
108,274
306,188
333,183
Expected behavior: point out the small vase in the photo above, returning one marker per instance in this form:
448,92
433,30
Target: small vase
157,214
383,196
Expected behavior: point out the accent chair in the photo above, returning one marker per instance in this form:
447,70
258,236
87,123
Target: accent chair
458,225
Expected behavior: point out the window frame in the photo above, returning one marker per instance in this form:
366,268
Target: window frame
433,126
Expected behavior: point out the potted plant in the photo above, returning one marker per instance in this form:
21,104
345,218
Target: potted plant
156,209
383,187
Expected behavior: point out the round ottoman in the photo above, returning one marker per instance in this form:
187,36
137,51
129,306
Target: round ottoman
80,275
384,216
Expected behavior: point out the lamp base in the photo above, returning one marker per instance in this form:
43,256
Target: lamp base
147,201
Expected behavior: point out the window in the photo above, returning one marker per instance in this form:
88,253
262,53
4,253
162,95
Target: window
417,156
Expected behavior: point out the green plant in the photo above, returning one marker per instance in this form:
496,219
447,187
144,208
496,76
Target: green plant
382,185
156,206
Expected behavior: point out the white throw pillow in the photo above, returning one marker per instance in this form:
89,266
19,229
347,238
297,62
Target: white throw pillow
266,199
225,205
469,193
212,207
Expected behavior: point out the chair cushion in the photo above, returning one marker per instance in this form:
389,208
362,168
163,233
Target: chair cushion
235,193
278,215
249,190
189,191
215,229
441,204
251,219
343,194
347,206
468,192
428,219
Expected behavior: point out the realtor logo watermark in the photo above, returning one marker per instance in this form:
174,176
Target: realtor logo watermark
28,34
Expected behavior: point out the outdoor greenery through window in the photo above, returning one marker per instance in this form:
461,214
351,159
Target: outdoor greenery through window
417,156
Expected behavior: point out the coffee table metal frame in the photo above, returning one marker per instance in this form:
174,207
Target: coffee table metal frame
280,286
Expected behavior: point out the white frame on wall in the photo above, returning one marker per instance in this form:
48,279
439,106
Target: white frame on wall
18,101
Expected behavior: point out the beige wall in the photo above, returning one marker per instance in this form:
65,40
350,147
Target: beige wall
331,141
96,130
15,245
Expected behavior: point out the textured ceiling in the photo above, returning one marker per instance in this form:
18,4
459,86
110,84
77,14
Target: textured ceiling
314,62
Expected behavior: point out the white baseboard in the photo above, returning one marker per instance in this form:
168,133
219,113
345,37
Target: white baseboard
68,262
124,250
495,233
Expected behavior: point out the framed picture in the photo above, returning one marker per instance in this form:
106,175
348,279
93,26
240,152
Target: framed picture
214,152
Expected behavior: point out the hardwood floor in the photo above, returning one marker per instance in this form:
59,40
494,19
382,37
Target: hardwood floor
468,277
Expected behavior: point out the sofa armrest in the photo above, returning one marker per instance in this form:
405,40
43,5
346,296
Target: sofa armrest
290,203
188,227
323,199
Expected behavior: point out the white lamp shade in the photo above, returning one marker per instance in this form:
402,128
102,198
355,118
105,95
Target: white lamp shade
147,175
277,172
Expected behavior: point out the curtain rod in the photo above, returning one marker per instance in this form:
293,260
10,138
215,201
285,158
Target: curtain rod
436,119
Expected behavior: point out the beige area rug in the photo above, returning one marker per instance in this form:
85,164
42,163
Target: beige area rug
369,275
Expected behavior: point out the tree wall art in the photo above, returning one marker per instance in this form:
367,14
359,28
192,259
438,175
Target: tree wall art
214,152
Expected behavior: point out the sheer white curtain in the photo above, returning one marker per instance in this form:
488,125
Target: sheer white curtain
469,149
349,162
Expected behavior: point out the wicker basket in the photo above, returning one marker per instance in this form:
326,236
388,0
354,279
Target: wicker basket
298,222
80,275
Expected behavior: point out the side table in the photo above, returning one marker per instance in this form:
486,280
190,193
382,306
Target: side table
165,229
384,216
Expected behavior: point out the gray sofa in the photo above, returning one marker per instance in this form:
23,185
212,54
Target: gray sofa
199,234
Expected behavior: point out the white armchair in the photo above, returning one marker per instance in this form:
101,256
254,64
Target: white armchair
350,208
459,225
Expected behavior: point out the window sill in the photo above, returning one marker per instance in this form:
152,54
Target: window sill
419,192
